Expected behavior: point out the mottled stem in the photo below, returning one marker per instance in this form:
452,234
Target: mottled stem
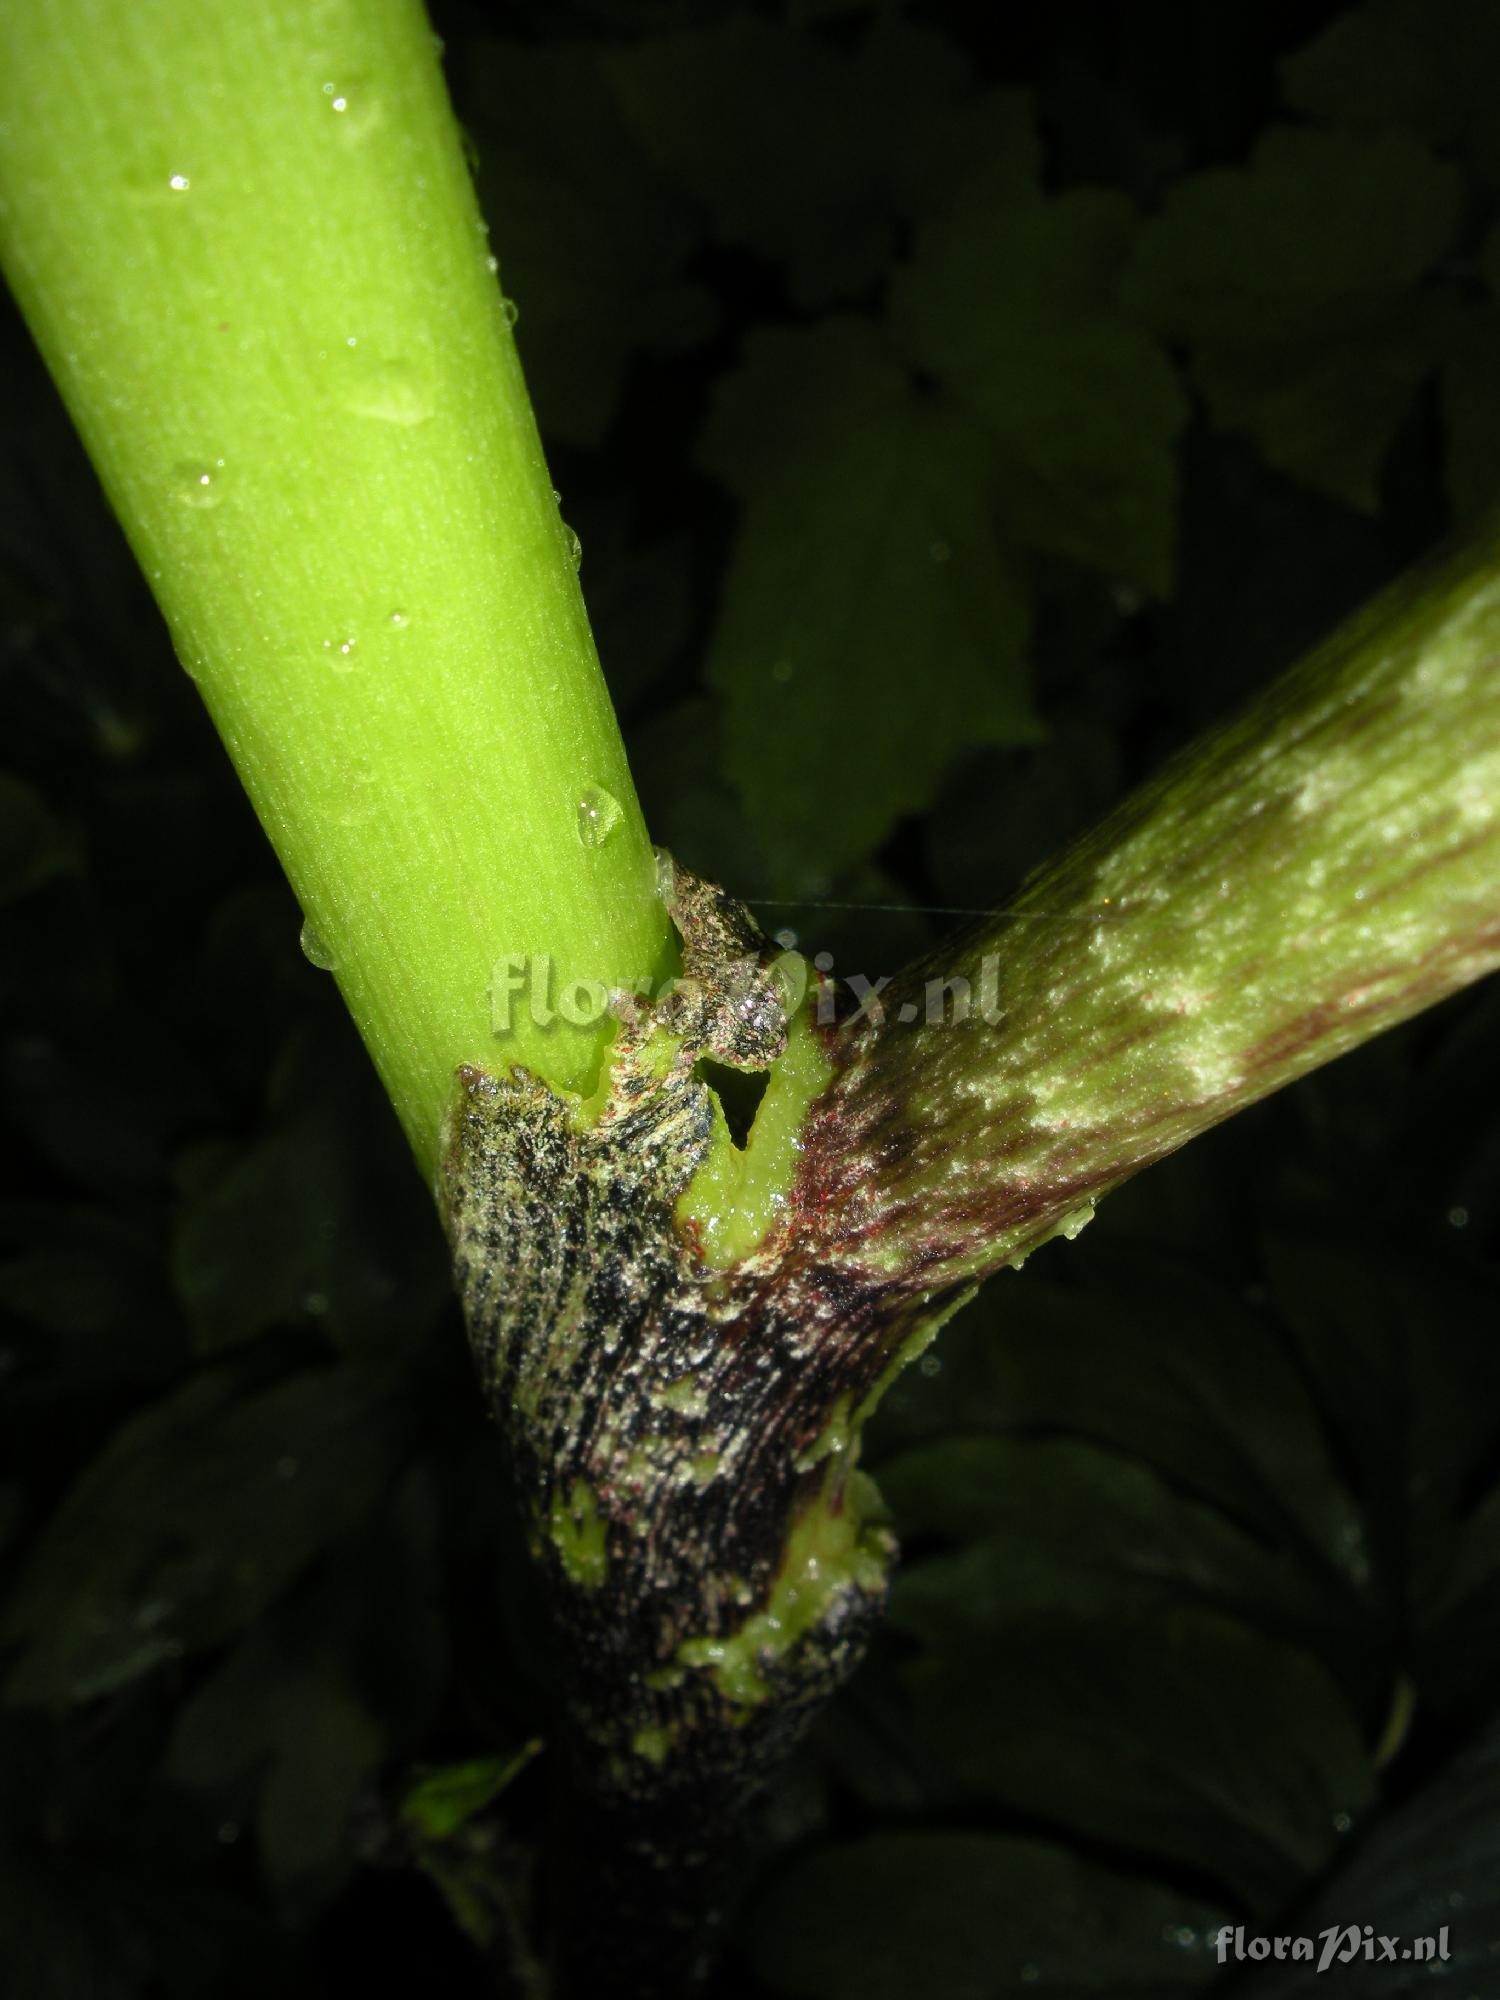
685,1431
1320,868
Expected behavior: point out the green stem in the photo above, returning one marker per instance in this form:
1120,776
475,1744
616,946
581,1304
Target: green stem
1319,869
247,244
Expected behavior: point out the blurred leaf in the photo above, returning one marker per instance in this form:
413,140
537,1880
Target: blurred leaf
871,604
676,759
326,1743
639,605
1152,1359
105,1108
252,1229
287,1713
190,1521
1432,1865
442,1801
1471,410
1403,1350
593,240
970,1916
854,138
1291,282
311,1218
789,186
1187,1736
91,1287
33,845
106,1886
1004,812
1050,1522
1402,63
1014,308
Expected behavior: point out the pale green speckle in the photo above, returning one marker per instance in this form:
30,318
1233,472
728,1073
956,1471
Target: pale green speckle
833,1440
578,1532
736,1196
827,1552
684,1396
652,1743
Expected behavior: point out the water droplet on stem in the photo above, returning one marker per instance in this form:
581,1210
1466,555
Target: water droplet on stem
315,951
599,813
200,485
340,653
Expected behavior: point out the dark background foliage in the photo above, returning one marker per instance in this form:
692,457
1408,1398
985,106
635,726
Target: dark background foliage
959,407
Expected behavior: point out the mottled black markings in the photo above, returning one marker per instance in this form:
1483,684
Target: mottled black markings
619,1367
669,1425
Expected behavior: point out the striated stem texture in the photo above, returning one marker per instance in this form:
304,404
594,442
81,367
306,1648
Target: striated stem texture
1320,868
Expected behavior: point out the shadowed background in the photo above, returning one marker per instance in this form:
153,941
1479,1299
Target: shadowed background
956,415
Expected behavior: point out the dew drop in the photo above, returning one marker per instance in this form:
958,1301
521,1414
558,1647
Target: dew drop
358,800
315,951
394,390
159,183
492,263
599,813
399,621
510,312
340,652
229,1832
200,486
355,107
782,671
940,551
575,546
1458,1217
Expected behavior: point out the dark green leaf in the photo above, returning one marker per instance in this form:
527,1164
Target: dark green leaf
593,241
1430,1870
1290,281
967,1916
1184,1736
442,1801
853,139
1403,63
191,1520
1014,307
1403,1350
1471,408
33,846
872,604
1154,1360
1051,1522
